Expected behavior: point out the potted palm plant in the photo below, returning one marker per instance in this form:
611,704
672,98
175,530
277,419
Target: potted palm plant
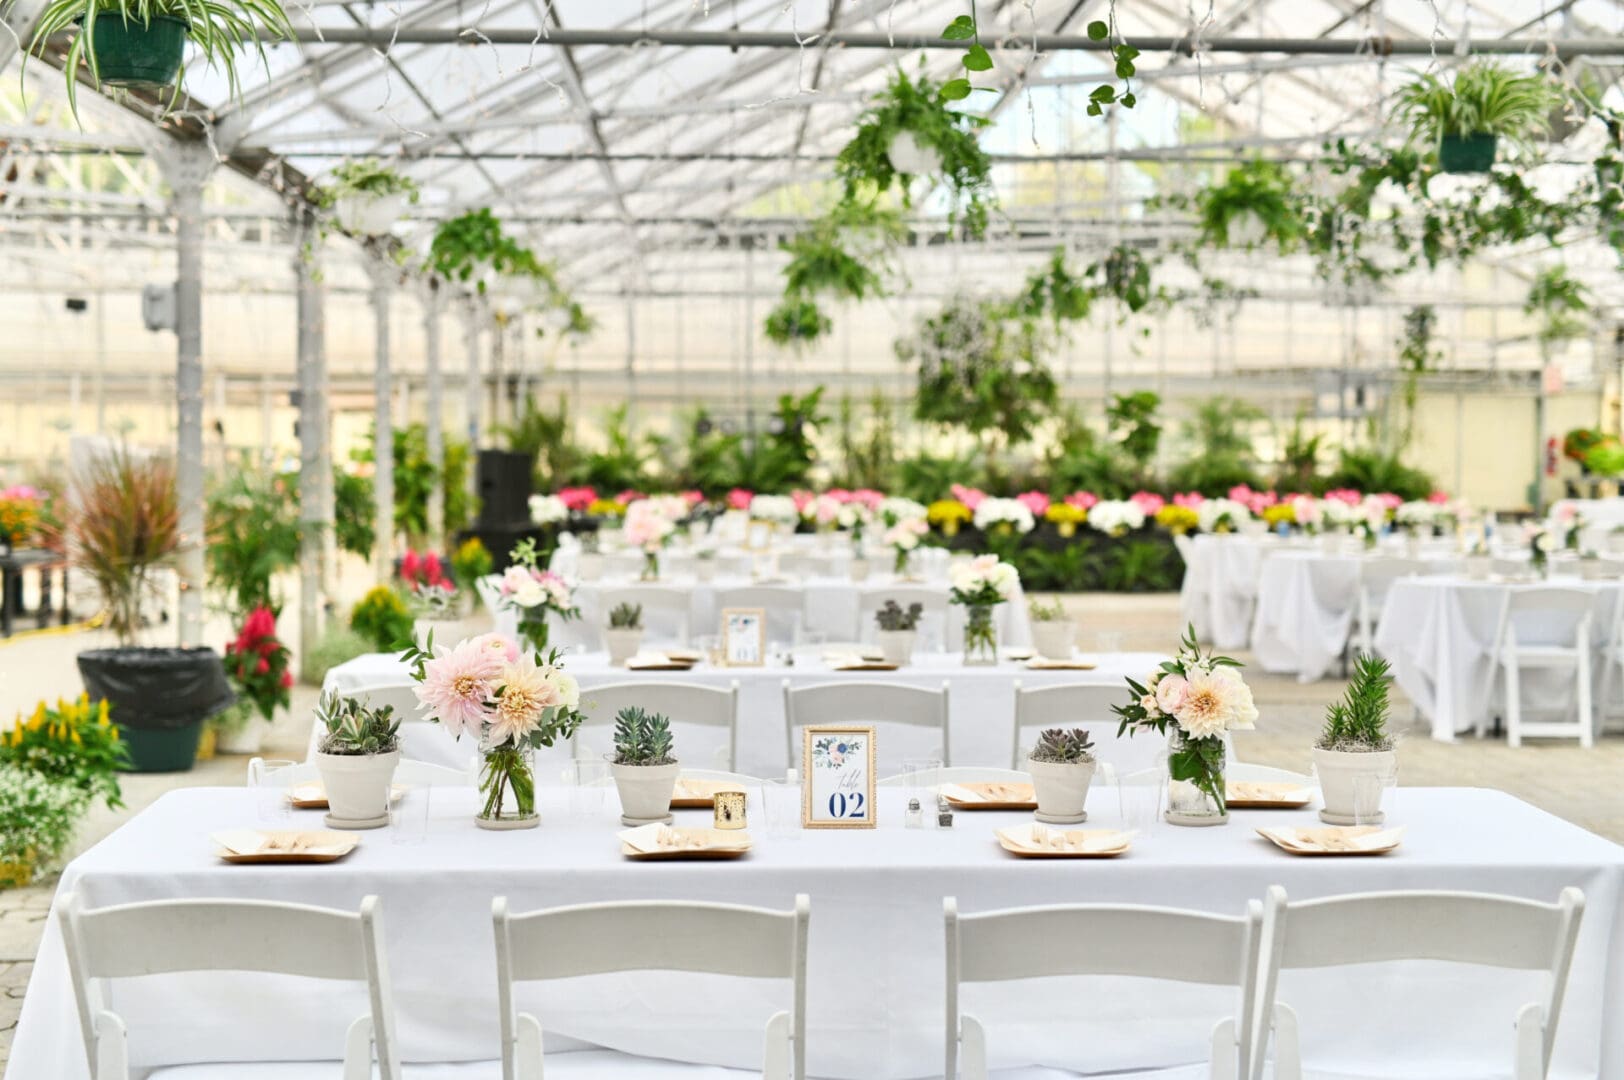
140,43
625,633
1062,765
1354,757
1053,632
898,627
125,528
357,755
1466,120
644,770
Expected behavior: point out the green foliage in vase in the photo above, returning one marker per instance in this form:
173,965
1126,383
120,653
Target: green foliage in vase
1485,98
1358,722
1057,746
252,523
382,618
352,727
642,738
626,617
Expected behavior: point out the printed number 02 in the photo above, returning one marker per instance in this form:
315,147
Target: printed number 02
841,807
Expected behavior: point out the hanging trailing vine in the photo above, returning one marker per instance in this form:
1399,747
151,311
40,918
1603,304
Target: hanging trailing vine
846,255
1123,56
1255,202
1561,303
975,59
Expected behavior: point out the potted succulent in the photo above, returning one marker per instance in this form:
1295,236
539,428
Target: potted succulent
1053,632
1062,764
368,198
625,633
141,42
898,629
1466,120
126,527
356,757
1354,757
644,770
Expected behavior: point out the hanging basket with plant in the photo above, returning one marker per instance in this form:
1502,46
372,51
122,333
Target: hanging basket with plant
1466,120
141,43
368,197
1254,204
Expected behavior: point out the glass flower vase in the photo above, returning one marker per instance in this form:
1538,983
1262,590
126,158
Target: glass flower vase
507,789
651,566
1195,773
980,636
533,629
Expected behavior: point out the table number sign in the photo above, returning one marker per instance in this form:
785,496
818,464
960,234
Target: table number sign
744,637
758,535
838,766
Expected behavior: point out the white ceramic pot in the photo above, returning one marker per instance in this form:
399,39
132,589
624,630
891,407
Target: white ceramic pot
1054,640
1340,770
910,156
368,215
357,785
645,792
1062,790
859,569
623,644
897,645
705,570
244,739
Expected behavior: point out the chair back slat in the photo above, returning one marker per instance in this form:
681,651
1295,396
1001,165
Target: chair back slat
870,703
694,704
1156,943
1085,705
400,696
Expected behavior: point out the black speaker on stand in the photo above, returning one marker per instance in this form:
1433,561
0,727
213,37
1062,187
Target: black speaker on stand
504,505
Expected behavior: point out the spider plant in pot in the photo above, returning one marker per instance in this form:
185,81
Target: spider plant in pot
126,529
898,627
367,197
1062,765
1354,757
140,43
624,635
1465,120
357,755
644,770
1053,632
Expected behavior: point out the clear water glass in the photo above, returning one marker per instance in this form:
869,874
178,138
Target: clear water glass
920,779
588,780
271,784
1141,799
777,809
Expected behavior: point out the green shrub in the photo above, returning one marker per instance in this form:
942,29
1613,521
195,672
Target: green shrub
382,619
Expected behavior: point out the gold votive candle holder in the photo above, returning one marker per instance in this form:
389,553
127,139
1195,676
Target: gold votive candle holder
729,809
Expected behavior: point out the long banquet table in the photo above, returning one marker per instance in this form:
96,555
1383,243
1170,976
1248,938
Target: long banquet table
981,702
876,948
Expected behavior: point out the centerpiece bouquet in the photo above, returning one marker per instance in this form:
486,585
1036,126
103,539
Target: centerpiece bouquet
533,592
650,524
903,538
981,585
513,701
1194,699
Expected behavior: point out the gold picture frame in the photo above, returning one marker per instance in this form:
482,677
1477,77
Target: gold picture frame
758,535
837,776
744,637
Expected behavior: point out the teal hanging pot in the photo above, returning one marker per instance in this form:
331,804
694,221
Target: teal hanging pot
132,53
1467,153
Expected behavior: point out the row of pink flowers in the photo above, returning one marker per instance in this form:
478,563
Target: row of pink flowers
22,493
739,499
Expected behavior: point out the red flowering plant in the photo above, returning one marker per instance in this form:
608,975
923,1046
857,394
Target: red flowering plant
257,662
431,590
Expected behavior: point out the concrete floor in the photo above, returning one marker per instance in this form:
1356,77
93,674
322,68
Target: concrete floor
1579,785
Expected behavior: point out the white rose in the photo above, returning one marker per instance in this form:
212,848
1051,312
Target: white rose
530,594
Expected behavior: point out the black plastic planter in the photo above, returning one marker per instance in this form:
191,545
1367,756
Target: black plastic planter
133,53
1467,153
159,699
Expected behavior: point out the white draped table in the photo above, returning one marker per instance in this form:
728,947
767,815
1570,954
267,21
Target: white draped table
1438,633
1220,586
981,703
876,948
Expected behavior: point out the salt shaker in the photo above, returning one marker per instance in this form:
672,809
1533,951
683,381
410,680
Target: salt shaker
915,818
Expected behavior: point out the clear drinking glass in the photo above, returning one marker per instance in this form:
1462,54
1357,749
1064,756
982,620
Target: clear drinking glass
271,784
777,808
1141,799
920,779
409,814
588,783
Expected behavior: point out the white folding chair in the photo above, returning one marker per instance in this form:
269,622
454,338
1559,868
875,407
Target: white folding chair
921,710
1067,705
1612,661
1101,939
1456,927
167,936
785,606
933,618
1376,576
400,696
666,609
660,935
1561,619
686,704
965,774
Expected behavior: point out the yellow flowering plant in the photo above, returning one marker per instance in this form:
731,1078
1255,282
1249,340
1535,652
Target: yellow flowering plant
947,515
1065,517
606,508
1280,513
19,514
1177,519
74,742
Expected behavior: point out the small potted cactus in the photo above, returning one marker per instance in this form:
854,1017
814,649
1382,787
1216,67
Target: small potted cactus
625,633
1053,632
356,757
898,629
1062,764
1354,756
644,770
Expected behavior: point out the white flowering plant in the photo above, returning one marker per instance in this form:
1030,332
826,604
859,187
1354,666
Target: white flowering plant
854,517
548,509
1203,697
894,509
1418,514
38,816
1003,516
904,537
1221,515
1116,517
982,582
778,509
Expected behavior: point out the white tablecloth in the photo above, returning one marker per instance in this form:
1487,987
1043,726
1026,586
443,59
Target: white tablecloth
875,963
1220,586
981,705
1438,633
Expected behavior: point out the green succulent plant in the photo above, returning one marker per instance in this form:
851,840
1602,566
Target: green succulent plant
1057,746
642,738
626,617
354,728
893,616
1359,721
